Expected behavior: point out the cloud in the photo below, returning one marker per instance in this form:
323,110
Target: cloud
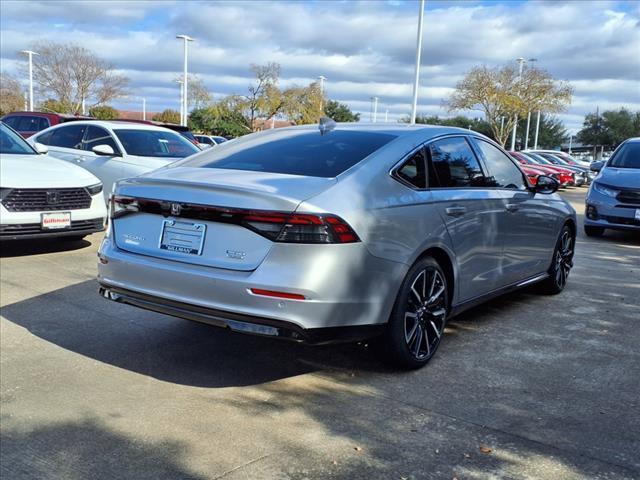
364,48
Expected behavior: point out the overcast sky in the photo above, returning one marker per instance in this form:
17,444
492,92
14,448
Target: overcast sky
364,48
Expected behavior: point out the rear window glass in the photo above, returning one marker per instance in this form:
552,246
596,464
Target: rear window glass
27,123
297,152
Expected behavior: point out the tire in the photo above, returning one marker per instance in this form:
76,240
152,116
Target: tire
561,263
593,231
419,316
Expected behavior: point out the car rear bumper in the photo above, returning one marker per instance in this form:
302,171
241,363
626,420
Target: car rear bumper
239,322
342,286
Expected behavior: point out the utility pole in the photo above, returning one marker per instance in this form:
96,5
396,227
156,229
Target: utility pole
416,79
521,61
321,79
181,101
185,97
374,109
535,139
30,53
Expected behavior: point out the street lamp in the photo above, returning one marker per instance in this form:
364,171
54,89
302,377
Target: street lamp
521,61
144,108
181,101
374,109
30,53
416,78
321,79
186,39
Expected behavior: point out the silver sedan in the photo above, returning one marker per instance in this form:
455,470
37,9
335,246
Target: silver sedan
341,232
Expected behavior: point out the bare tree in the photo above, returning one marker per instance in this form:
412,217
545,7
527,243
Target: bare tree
11,94
199,96
74,74
501,94
263,93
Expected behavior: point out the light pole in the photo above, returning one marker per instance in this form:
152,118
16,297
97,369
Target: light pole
386,115
144,109
526,135
374,109
30,53
416,78
181,101
535,138
521,61
321,79
185,101
570,142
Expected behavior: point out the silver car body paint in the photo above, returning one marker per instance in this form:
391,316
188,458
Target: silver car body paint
489,247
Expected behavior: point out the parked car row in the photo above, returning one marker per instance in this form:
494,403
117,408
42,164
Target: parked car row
564,168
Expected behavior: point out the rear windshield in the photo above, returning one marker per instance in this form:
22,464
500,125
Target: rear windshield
627,156
296,152
155,143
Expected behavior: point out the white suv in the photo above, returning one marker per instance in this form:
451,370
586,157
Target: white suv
43,197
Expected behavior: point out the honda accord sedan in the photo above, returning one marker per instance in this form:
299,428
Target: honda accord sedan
341,232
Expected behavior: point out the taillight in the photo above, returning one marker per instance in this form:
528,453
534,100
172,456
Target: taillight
300,227
276,226
120,206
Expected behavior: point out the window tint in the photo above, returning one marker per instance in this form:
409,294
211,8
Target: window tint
98,136
296,152
11,121
627,156
69,136
155,143
453,164
11,142
44,138
27,123
502,171
413,170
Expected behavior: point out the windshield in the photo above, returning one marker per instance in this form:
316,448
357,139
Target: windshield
296,152
627,156
155,143
11,142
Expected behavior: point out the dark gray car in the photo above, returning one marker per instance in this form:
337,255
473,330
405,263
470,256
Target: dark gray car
318,234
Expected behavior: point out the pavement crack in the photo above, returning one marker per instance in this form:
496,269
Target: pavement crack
235,469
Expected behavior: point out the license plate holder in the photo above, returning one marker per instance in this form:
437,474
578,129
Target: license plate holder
55,220
182,237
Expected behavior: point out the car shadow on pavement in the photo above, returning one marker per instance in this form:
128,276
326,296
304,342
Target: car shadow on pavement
87,449
21,248
172,349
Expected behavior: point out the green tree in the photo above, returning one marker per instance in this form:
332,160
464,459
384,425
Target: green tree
551,134
224,117
476,124
168,116
504,96
104,112
56,106
340,112
609,128
11,98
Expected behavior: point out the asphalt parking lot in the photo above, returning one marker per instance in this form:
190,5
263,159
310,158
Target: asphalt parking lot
526,386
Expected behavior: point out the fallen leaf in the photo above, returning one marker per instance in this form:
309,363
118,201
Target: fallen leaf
357,449
485,449
466,455
334,462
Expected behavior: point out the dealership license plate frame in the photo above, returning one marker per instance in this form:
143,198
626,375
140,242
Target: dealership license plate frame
180,236
65,225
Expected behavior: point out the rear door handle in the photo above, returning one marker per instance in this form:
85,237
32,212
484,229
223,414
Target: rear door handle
456,211
512,207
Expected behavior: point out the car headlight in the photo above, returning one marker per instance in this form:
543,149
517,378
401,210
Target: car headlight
609,192
94,189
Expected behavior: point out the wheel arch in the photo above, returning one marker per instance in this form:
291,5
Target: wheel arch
445,261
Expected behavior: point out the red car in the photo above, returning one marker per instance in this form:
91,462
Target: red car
29,123
563,175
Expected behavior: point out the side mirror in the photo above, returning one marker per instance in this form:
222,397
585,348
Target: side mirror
597,166
103,150
41,149
546,185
